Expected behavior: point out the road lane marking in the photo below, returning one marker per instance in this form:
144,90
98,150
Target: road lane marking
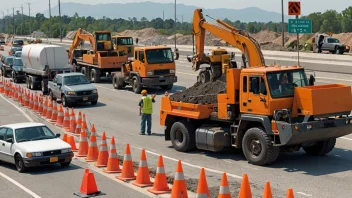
20,185
346,138
19,109
305,194
333,79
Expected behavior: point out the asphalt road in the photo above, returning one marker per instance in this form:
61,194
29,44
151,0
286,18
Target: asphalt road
117,114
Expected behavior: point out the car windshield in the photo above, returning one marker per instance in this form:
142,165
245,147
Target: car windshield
9,61
332,40
18,54
33,134
18,42
156,56
75,80
17,62
282,84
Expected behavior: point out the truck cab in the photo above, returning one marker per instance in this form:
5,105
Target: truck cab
123,45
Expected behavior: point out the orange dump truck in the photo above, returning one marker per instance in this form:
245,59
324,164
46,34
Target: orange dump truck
264,110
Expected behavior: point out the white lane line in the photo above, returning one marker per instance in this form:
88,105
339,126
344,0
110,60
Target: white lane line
19,109
20,185
346,138
333,79
305,194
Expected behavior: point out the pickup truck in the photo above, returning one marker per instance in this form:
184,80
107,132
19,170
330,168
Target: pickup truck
17,73
6,65
328,43
72,88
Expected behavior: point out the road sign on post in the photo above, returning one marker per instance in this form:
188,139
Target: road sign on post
294,8
300,26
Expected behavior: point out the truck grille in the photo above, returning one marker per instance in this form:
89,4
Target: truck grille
82,93
161,72
49,153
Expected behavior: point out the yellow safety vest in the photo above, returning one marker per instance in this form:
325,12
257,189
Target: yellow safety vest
147,105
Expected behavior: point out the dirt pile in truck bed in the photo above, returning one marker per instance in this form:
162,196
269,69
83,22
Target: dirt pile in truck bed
200,93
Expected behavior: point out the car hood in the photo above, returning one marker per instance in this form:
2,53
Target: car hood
82,87
43,145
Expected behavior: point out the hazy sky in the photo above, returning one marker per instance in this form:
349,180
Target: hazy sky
308,6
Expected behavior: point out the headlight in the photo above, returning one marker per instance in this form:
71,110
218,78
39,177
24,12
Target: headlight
66,150
71,93
150,73
95,91
35,154
172,71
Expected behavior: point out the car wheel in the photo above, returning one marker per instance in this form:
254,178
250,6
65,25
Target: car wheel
14,77
94,102
51,94
65,164
19,163
64,101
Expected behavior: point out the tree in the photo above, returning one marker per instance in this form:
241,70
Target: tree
331,22
347,19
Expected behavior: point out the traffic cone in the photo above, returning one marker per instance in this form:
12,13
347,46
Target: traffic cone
64,138
78,123
71,141
88,187
179,189
202,189
67,120
30,97
103,153
40,106
93,151
35,103
267,191
54,113
49,111
45,107
143,178
26,101
160,182
15,92
245,190
83,145
113,162
224,191
290,193
72,121
60,117
127,167
19,94
93,131
84,124
1,86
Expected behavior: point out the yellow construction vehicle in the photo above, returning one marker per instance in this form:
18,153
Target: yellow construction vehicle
123,45
101,60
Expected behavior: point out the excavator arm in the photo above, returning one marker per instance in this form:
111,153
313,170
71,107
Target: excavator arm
237,38
77,40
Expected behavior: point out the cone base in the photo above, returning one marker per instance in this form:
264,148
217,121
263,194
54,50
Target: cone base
59,125
81,155
100,165
143,185
125,178
116,171
158,192
91,160
90,195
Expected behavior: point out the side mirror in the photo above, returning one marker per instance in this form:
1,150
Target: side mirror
59,84
58,135
311,80
9,140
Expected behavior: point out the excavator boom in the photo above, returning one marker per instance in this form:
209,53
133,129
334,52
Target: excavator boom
78,39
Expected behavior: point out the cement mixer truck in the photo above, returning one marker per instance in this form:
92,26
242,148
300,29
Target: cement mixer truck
42,62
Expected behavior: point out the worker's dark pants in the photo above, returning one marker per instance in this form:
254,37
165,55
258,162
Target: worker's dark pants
146,118
177,56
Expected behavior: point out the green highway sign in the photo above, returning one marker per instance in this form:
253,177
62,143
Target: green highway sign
300,26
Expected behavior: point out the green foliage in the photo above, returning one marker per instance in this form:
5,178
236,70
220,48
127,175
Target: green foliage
329,21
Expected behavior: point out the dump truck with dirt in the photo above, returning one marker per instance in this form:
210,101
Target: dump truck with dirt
262,110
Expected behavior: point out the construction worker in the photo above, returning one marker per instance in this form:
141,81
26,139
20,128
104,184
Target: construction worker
146,110
137,41
177,53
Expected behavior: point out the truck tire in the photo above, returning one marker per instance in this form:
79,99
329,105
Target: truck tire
64,101
136,86
44,86
257,147
95,75
118,81
84,72
204,76
182,135
321,148
167,87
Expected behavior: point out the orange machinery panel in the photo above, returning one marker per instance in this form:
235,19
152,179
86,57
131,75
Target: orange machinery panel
322,99
111,61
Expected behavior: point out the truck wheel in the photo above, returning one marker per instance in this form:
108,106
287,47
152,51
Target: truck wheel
137,88
204,77
167,87
321,148
64,101
257,147
95,76
84,71
51,94
14,77
182,136
118,81
44,87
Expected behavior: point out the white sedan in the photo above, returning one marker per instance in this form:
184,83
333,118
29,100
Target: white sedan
32,144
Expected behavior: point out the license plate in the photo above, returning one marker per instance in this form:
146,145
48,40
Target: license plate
85,98
54,159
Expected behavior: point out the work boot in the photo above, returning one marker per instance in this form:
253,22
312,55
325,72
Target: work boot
141,133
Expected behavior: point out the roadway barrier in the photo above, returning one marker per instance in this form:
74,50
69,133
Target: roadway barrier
108,158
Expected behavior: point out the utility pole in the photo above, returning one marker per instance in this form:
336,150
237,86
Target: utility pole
163,20
283,23
13,15
8,22
60,22
175,25
22,20
3,22
182,22
50,33
30,25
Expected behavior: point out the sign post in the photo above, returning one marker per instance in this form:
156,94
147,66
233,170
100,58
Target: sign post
294,9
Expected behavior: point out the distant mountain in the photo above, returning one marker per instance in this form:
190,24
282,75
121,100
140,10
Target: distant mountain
152,10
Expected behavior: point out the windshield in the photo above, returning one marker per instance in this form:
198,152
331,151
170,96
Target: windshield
33,134
9,61
103,37
18,42
156,56
124,41
17,62
75,80
282,84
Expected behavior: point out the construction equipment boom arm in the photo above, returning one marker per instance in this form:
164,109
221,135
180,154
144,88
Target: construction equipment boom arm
237,38
77,40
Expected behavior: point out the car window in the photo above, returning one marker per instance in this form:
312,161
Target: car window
33,134
9,134
2,133
59,79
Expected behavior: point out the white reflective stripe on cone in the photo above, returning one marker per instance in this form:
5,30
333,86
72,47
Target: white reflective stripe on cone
61,114
201,196
143,163
66,118
78,126
92,144
160,170
103,148
112,155
224,190
179,176
127,157
83,139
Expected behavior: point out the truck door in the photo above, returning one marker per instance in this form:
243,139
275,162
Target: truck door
256,98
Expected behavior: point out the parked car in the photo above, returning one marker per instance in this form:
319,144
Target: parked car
327,43
72,88
17,43
18,54
14,50
17,73
6,65
32,144
2,48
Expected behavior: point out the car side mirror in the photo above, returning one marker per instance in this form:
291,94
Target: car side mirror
9,140
311,80
59,84
58,135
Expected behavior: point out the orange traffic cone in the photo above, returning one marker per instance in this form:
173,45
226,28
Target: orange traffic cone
179,189
1,85
88,187
40,106
45,106
71,141
30,100
64,138
35,103
202,189
78,123
15,92
224,191
83,145
67,120
143,178
160,183
103,153
92,149
72,121
60,116
113,161
54,113
26,102
49,111
127,167
245,190
84,124
19,94
290,193
267,191
93,131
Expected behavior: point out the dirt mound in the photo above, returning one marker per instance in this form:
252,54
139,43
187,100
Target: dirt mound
71,34
144,35
265,36
274,47
200,93
345,38
287,37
